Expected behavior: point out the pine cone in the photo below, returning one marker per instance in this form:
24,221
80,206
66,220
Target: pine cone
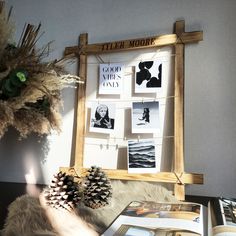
97,191
63,192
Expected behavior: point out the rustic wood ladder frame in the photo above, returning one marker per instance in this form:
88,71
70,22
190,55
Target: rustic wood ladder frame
178,39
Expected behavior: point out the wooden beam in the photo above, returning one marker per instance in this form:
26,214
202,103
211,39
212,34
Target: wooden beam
165,177
139,43
179,111
81,94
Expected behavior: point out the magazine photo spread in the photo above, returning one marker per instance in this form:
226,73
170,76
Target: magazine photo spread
222,217
158,219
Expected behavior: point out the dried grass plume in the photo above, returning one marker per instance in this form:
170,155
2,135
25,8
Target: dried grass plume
30,88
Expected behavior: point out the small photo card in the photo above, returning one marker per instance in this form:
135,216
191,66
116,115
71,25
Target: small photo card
102,117
148,76
142,156
111,78
145,117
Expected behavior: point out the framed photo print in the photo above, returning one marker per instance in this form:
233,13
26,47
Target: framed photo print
110,78
148,76
145,117
142,156
102,118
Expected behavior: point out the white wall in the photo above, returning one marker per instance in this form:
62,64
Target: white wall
210,114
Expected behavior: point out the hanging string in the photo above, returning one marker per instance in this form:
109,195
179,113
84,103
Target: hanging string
178,178
125,138
179,38
133,100
116,145
99,58
102,61
107,146
107,142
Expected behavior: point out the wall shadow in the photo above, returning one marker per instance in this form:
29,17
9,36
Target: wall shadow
19,157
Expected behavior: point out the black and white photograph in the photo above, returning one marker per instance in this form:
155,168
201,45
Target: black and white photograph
148,76
142,156
145,117
102,117
110,78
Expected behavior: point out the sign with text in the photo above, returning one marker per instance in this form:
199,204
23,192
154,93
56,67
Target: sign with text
111,78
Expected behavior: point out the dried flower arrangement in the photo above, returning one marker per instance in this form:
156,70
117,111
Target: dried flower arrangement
30,89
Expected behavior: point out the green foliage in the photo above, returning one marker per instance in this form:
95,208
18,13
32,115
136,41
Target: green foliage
11,86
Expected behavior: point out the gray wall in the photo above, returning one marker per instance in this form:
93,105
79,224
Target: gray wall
210,114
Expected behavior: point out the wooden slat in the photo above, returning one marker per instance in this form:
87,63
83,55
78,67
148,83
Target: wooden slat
166,177
179,111
179,107
139,43
80,118
189,37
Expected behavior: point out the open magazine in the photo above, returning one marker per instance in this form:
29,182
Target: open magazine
222,217
159,219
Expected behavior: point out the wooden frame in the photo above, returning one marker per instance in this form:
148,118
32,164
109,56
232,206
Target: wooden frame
178,40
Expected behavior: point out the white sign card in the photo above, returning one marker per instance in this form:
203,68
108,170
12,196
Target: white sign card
142,156
111,78
102,117
145,117
148,76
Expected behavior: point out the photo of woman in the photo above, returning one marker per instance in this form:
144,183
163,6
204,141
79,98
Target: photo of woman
102,118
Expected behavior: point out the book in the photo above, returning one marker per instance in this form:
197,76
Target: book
146,218
222,217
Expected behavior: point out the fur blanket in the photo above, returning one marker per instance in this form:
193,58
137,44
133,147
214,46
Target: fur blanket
27,218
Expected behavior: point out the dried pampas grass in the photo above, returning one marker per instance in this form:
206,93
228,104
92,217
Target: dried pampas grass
28,121
6,28
30,88
6,117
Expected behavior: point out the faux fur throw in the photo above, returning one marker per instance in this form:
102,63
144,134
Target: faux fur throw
27,218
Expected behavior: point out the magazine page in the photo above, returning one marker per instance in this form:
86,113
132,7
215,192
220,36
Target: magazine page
224,216
210,219
158,219
228,211
223,230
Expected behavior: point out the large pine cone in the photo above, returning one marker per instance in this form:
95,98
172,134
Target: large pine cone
97,191
63,192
